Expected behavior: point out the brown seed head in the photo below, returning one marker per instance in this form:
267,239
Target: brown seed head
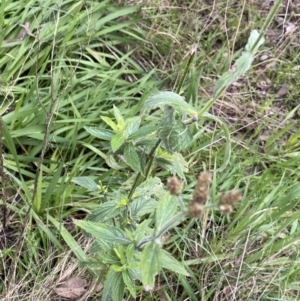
226,208
228,199
174,185
202,193
205,177
195,210
232,197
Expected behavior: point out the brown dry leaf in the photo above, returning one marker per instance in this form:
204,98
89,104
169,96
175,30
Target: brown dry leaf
72,288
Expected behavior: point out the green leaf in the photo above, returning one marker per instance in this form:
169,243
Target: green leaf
100,133
175,163
52,187
114,287
242,64
68,238
86,182
168,98
116,142
109,257
175,137
118,116
252,41
112,124
106,211
141,229
143,131
132,157
150,264
132,125
112,163
170,263
147,143
130,252
152,186
166,209
29,131
37,202
104,232
135,274
143,161
129,283
141,206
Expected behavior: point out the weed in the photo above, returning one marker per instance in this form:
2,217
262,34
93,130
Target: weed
128,244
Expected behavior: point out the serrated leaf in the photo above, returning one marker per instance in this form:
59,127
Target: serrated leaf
175,163
130,251
167,98
135,274
132,158
143,132
110,257
99,246
166,209
100,133
150,264
152,186
132,125
175,137
116,142
106,211
114,287
104,232
86,182
148,143
111,123
170,263
118,116
141,206
129,284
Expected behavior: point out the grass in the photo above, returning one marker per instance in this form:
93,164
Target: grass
87,57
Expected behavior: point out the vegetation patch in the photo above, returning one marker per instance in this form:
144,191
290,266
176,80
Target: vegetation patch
149,151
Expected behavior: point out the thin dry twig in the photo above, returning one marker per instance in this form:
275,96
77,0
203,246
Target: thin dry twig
21,36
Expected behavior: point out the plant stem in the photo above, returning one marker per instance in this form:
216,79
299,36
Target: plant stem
266,24
187,67
140,177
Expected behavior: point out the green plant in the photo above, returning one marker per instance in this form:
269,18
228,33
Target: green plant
130,225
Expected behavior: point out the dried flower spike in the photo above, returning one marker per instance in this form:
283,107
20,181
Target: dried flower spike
226,209
195,210
202,192
228,199
174,185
